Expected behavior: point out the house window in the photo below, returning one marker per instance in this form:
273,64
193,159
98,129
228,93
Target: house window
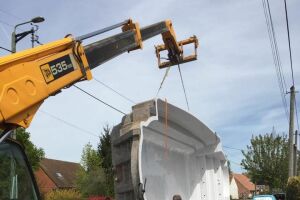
59,175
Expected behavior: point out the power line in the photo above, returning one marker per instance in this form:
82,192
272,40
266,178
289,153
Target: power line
288,32
68,123
89,94
15,16
276,57
291,59
5,32
229,153
10,14
236,163
182,83
7,24
3,22
276,51
121,95
6,49
233,148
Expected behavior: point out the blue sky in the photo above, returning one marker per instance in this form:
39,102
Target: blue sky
232,87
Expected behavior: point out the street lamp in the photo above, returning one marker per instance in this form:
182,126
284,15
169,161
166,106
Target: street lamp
17,37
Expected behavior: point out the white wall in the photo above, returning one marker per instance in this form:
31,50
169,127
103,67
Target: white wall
234,192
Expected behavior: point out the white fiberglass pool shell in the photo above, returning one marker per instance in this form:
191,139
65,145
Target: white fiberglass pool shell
181,156
176,154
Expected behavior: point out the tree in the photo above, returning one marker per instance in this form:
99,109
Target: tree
104,150
91,183
266,160
293,188
96,176
34,154
90,179
90,158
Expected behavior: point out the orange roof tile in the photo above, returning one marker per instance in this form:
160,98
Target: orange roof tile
244,181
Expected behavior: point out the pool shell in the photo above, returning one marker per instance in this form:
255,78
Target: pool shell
171,151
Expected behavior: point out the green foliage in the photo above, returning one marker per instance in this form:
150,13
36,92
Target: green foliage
104,151
90,179
5,163
34,154
96,177
90,159
91,183
266,160
63,195
293,188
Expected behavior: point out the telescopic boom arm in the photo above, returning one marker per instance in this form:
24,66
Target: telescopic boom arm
28,77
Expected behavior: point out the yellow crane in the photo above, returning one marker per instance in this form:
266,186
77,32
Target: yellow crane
29,77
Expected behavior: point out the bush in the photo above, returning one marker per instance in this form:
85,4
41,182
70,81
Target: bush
63,195
91,183
293,188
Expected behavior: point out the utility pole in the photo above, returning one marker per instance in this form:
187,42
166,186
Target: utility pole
296,154
291,132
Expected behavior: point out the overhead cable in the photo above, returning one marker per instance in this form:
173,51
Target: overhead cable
291,59
7,24
10,14
288,32
273,39
68,123
115,91
5,32
233,148
3,22
6,49
233,162
276,56
89,94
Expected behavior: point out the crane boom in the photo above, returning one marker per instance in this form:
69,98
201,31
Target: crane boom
28,77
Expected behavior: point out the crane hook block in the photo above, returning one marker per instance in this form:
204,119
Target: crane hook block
174,49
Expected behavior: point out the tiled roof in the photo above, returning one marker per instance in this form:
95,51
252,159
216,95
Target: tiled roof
244,181
62,173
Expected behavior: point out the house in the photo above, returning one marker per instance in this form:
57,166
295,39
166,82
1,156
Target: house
241,187
56,174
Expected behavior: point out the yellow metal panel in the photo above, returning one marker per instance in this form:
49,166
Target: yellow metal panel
35,53
27,78
138,37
